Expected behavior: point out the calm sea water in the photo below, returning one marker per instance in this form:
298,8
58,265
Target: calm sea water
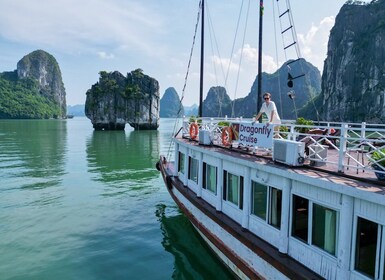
82,204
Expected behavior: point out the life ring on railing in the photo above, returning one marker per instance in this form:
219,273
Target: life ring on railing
194,130
227,136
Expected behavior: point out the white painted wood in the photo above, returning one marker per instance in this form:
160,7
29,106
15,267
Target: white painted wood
285,218
219,186
265,269
263,230
209,197
176,159
246,199
232,210
321,196
350,202
314,258
370,211
185,177
200,175
344,238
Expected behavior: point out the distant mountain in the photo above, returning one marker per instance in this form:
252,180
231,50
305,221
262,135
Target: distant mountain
191,110
219,104
35,90
76,110
170,106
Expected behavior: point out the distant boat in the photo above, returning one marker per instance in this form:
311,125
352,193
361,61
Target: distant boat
69,116
301,204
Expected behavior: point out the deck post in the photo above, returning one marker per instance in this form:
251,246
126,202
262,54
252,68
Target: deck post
292,134
342,151
176,156
218,205
345,237
246,199
200,175
363,131
186,166
285,217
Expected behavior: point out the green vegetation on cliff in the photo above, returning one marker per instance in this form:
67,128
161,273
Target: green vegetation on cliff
21,99
35,90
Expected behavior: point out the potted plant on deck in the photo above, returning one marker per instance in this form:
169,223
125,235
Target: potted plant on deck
378,163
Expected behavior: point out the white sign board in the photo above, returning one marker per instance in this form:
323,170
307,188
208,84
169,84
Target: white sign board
256,134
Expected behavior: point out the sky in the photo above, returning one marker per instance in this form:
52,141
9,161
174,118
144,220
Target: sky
90,36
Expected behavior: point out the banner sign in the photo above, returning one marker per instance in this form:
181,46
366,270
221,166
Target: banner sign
256,134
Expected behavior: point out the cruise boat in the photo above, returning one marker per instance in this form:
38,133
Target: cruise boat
305,203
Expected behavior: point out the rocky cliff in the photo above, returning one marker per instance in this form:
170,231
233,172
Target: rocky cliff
219,104
34,90
116,100
170,105
353,79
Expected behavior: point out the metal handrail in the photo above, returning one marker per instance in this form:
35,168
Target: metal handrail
362,138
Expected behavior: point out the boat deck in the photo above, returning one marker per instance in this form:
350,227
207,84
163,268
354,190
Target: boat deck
353,177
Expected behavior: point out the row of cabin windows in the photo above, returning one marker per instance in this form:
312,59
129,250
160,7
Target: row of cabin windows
311,223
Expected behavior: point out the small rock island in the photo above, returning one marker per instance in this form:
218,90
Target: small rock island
116,100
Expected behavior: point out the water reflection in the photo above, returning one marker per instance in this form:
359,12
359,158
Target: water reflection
184,243
120,158
33,151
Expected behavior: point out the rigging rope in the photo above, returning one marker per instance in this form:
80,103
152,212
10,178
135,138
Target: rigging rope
213,37
295,44
185,80
276,55
299,55
240,59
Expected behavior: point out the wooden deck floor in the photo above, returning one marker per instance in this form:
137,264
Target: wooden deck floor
352,176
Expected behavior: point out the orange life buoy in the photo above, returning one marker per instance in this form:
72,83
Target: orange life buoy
227,136
194,129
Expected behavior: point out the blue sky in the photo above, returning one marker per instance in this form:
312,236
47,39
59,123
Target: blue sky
89,36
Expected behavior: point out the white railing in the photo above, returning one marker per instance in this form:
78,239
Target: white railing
351,146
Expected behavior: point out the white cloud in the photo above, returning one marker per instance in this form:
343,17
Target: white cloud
313,44
78,25
104,55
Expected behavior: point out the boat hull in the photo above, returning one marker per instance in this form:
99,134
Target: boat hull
234,245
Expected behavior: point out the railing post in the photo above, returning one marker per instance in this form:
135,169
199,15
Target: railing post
342,151
292,133
363,131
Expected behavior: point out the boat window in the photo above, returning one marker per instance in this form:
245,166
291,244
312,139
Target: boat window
275,207
181,167
300,218
210,177
324,228
233,188
193,169
259,198
366,247
267,203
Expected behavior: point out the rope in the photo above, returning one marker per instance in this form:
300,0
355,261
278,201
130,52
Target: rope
185,80
276,55
240,59
299,56
298,53
213,37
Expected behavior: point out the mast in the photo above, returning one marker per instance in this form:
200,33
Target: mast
202,61
259,97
